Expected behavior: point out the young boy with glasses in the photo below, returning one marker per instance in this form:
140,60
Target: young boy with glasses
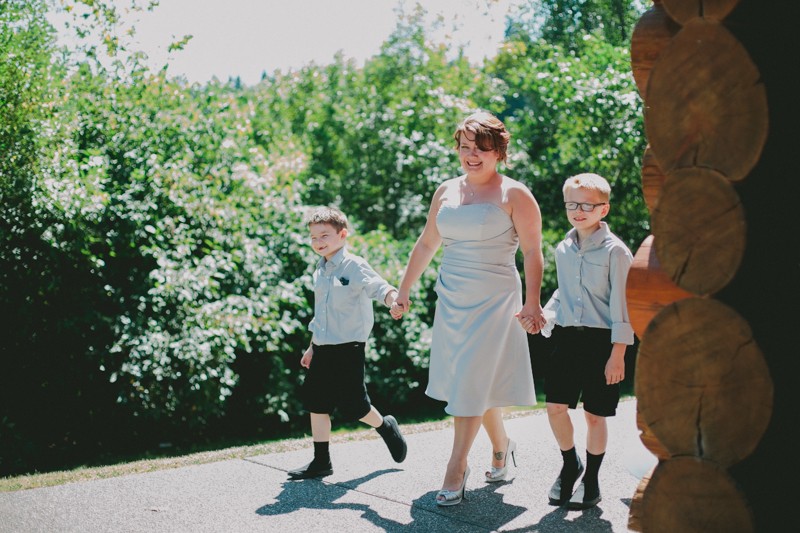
344,287
591,332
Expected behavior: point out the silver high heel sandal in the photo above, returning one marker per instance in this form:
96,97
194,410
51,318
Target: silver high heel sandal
445,498
499,474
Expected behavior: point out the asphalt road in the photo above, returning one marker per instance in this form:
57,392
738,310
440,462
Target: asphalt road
367,491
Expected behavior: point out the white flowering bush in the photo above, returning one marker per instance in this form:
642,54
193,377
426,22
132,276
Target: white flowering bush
155,271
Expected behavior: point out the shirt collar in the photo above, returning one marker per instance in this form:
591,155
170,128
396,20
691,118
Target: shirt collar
334,261
595,238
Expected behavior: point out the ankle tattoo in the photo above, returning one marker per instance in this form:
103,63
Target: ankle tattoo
498,456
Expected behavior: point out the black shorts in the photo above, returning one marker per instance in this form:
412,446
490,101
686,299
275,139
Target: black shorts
575,370
335,381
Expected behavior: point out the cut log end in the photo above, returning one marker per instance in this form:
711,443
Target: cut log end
648,288
706,103
691,495
699,229
684,11
702,384
650,35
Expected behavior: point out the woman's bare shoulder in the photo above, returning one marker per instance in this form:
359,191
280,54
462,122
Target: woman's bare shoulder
516,189
445,192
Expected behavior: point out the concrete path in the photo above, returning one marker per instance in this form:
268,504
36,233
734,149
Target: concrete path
367,491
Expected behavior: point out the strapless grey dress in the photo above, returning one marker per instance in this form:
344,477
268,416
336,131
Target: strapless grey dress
479,352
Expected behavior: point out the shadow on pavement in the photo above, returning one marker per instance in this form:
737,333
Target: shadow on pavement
484,509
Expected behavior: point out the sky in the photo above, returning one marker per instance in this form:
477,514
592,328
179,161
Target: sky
246,38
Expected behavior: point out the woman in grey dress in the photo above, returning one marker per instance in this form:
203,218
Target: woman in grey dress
479,353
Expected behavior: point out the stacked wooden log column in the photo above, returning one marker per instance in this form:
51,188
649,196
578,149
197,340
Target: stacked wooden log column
704,286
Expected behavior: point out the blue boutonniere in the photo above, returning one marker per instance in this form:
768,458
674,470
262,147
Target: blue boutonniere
344,281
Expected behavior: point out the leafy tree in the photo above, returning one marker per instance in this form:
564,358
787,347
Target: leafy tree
575,110
153,247
398,351
46,286
567,22
379,139
191,221
147,250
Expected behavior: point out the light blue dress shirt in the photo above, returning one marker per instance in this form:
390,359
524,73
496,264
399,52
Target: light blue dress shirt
591,284
344,288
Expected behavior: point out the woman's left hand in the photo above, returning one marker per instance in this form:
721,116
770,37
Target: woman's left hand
531,318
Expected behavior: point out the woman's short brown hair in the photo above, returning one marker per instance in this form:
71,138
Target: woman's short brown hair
489,131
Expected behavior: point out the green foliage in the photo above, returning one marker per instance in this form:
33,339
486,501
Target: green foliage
575,112
397,353
190,223
152,244
42,289
26,44
567,22
379,138
97,26
159,253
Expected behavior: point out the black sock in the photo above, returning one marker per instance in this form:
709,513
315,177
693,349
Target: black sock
390,433
321,453
570,458
593,463
384,430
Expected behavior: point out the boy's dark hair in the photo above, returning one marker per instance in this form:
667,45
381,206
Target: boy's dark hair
489,131
328,215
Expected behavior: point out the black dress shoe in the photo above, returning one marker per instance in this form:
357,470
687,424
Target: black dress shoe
561,491
583,498
393,439
312,470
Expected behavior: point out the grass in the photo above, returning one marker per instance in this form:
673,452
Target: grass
50,479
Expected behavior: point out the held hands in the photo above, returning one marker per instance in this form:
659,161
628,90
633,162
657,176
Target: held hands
531,318
400,305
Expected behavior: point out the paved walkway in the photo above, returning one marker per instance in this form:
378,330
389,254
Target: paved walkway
367,492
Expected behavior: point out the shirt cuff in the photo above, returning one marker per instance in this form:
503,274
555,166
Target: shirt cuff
550,317
622,333
385,292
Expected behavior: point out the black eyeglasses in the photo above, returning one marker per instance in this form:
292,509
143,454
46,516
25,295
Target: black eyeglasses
586,208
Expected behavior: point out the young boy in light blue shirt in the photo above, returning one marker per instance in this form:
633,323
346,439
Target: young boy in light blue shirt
344,287
591,334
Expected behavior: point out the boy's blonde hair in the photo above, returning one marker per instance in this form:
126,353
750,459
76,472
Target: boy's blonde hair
328,215
589,181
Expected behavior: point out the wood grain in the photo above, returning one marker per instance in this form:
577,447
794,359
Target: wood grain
651,34
699,230
702,384
705,103
685,10
692,495
648,288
